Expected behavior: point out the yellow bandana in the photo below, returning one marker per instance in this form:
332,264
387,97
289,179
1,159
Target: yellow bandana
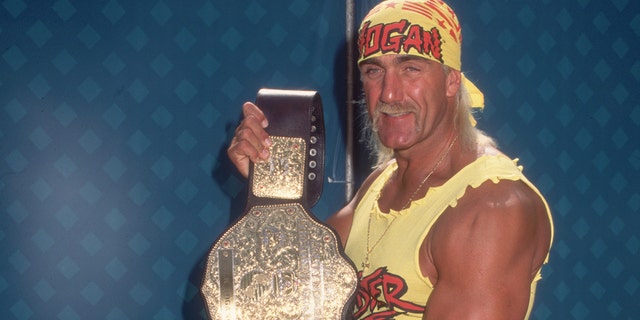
428,29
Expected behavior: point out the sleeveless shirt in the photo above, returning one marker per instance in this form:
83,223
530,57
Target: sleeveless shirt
393,287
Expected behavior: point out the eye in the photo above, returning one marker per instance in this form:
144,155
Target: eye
371,71
412,68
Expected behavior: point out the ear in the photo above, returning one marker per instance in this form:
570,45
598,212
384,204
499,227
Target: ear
453,83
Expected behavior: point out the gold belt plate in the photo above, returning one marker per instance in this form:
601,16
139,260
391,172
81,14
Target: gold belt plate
277,263
282,175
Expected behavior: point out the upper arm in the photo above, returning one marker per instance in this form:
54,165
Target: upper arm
341,221
486,251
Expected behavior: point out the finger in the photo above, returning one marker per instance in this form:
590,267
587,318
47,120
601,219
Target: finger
241,153
250,110
256,122
251,141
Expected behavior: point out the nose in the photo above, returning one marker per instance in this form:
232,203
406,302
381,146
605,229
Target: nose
391,89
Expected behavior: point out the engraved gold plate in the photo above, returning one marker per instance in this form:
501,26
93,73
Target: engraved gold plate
277,263
282,175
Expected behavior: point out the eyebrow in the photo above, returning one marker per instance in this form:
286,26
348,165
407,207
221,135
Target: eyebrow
404,58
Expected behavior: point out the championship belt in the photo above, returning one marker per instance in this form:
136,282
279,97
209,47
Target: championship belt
277,261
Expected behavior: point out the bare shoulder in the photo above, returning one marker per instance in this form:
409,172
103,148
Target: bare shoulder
487,250
499,225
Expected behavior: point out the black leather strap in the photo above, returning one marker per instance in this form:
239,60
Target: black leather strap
295,113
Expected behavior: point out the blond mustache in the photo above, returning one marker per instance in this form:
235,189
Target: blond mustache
394,108
388,109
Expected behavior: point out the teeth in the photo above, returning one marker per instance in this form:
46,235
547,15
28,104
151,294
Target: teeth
396,114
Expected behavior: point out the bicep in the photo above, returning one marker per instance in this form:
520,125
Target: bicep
483,251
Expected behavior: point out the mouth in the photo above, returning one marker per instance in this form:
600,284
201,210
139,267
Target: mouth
396,114
394,111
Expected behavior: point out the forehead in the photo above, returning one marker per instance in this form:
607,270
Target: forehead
391,59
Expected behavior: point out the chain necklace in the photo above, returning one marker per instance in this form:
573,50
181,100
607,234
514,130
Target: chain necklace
366,264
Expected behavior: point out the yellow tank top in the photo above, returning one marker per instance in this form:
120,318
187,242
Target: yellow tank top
392,286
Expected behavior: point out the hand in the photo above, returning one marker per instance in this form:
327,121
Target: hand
251,142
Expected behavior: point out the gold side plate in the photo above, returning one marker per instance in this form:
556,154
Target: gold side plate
282,175
277,263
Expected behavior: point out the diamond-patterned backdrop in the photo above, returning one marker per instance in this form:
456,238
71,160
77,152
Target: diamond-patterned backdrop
115,116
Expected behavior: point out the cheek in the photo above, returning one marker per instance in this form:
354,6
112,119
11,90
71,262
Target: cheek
372,84
370,99
370,90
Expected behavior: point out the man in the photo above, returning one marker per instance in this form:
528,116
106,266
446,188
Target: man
446,227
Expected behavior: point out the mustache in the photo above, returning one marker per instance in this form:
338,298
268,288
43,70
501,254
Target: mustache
383,107
388,108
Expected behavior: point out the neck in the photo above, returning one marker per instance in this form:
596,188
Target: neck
437,156
415,174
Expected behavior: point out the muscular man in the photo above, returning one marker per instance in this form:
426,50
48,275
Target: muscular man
446,226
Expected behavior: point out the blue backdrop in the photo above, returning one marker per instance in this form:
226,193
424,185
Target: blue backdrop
115,116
